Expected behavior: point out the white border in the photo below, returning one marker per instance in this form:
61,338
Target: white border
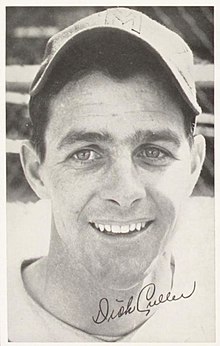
38,3
109,3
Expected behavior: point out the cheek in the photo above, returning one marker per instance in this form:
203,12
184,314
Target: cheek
66,184
169,191
69,193
173,183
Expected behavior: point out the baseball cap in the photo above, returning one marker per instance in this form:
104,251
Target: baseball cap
171,50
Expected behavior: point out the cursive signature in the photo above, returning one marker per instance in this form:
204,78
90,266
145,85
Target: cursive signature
106,313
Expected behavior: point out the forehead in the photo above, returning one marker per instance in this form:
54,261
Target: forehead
98,102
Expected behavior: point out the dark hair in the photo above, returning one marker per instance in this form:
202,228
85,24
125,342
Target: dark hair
113,53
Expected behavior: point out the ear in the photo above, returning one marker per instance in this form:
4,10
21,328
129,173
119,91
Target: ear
32,167
198,152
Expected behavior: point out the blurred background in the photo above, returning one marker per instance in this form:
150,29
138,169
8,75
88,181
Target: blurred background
29,28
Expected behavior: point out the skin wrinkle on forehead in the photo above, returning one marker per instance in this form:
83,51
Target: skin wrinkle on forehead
114,114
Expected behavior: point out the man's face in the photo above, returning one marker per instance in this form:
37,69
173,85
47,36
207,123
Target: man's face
117,169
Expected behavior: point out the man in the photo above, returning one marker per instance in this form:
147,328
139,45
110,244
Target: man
113,108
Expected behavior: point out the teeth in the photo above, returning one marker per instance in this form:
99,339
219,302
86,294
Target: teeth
108,228
125,229
132,227
138,226
101,227
116,229
120,229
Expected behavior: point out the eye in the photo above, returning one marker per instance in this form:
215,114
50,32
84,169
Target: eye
85,155
151,152
153,155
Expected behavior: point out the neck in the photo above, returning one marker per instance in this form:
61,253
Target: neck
71,294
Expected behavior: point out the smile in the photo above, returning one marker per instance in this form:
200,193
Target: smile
120,229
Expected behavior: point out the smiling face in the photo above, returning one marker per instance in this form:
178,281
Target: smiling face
117,169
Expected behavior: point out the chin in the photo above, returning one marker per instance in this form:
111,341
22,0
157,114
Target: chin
125,278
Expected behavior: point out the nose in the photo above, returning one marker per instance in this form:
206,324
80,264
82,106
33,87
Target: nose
123,186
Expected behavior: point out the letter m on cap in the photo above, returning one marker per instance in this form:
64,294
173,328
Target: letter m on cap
124,18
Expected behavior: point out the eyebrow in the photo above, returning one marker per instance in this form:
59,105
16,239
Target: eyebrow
82,136
165,135
140,136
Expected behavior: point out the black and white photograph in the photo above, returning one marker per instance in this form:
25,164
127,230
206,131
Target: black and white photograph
110,184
